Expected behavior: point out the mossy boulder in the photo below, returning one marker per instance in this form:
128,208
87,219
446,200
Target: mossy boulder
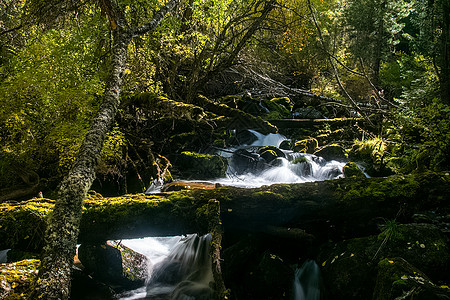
270,153
332,152
114,264
308,145
350,267
397,278
351,169
286,145
16,279
194,165
285,101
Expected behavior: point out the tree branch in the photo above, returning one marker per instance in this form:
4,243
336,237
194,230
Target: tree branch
150,26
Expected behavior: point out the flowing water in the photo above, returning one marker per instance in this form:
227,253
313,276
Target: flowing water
181,268
307,282
293,168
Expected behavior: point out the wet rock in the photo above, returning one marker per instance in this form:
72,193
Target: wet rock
244,161
332,152
270,153
351,169
114,264
201,166
286,145
307,113
306,145
244,137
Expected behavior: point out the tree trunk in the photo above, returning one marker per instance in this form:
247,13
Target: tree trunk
63,224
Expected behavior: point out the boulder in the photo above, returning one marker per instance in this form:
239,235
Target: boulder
114,264
332,152
286,145
270,153
306,145
201,166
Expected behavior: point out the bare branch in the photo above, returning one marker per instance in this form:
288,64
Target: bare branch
150,26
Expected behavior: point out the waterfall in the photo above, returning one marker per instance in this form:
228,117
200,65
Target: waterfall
3,256
181,268
247,169
307,282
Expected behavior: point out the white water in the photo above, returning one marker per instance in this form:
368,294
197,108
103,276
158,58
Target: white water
307,282
181,268
3,256
285,170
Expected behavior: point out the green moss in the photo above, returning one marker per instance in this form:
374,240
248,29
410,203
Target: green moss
202,166
351,169
22,225
17,278
299,160
306,145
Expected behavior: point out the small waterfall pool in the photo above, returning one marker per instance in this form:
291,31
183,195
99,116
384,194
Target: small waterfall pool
180,268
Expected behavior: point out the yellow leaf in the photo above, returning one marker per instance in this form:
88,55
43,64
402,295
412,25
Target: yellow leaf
324,263
127,71
391,261
444,286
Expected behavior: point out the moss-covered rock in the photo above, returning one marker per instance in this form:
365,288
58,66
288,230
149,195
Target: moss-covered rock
351,169
270,153
350,267
114,264
332,152
306,145
397,278
286,145
285,101
201,166
16,279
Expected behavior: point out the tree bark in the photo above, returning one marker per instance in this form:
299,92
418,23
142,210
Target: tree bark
63,224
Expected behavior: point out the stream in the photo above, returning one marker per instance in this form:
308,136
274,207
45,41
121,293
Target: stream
181,265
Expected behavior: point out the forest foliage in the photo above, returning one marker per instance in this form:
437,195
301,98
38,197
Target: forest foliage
390,55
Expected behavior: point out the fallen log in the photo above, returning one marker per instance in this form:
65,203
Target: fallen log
309,123
349,205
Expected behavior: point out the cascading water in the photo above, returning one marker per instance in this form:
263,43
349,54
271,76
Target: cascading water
307,282
181,273
247,169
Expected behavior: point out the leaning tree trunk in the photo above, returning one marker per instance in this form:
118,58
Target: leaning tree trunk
63,225
53,281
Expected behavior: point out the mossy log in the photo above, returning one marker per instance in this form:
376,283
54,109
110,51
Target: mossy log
309,123
235,118
351,205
